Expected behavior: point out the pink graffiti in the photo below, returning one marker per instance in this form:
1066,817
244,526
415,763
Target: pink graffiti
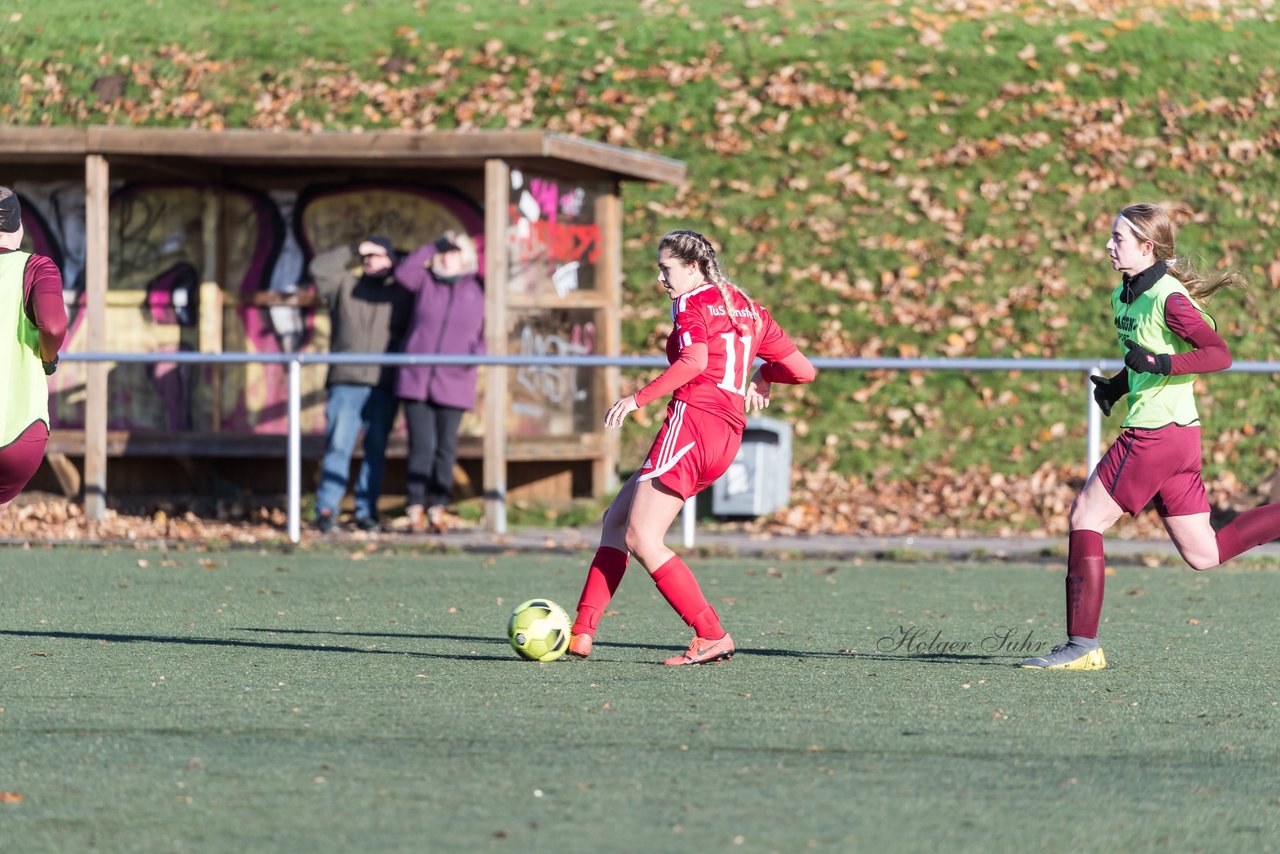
547,195
571,203
584,336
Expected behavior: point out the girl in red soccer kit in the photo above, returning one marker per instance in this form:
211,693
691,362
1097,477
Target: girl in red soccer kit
718,332
1168,338
33,322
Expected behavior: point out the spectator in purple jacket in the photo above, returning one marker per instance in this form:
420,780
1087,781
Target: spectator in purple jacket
447,317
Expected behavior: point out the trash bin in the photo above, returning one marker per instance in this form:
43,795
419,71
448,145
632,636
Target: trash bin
758,480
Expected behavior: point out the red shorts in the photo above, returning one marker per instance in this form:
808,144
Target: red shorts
1163,464
20,459
692,449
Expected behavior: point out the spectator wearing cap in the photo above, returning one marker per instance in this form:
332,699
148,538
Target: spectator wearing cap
448,318
33,323
369,313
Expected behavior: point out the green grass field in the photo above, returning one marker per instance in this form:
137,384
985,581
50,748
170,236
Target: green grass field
367,701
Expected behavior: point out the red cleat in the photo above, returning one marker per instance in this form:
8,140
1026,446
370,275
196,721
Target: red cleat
580,645
703,651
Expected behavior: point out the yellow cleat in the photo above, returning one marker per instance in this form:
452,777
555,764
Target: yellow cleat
1068,656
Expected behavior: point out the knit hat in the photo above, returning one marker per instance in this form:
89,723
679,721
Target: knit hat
385,243
10,211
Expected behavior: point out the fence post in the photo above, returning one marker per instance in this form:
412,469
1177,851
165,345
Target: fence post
295,449
98,373
1094,417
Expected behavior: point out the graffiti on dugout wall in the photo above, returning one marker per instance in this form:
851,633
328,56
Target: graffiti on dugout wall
553,240
161,298
554,401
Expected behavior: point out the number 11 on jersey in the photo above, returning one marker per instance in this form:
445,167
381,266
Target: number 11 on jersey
735,378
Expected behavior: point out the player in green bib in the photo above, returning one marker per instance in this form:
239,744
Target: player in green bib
1167,338
33,322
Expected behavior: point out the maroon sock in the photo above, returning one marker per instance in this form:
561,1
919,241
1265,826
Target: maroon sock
1086,578
676,583
603,578
1251,528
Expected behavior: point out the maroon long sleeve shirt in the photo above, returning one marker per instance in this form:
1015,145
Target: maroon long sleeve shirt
42,298
1211,352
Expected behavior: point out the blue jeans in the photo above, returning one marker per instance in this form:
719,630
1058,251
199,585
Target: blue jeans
350,410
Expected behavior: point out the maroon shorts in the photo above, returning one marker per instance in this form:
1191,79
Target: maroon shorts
20,458
692,449
1161,464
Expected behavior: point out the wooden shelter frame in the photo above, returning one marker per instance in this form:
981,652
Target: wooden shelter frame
485,159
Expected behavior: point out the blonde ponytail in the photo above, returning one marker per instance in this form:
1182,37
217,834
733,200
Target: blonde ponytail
1155,223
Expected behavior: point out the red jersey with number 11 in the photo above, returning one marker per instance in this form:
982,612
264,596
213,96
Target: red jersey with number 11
701,317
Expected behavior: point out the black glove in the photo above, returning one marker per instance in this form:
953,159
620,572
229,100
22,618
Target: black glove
50,367
1142,361
1107,391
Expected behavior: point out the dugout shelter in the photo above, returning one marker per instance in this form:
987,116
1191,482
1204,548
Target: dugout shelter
193,240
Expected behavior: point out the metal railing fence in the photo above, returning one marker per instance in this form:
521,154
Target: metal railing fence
296,361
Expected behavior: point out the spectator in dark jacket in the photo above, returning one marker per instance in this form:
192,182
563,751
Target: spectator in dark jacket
448,317
369,312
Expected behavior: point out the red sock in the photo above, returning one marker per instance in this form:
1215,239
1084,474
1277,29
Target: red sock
603,578
1251,528
1086,577
676,583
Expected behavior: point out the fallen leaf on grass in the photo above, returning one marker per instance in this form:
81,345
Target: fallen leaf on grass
10,798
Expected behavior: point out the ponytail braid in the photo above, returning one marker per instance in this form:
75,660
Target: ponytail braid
693,248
